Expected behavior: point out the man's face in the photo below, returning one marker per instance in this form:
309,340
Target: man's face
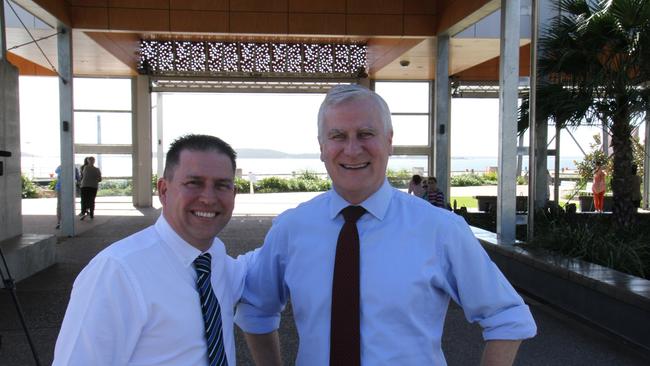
355,148
198,200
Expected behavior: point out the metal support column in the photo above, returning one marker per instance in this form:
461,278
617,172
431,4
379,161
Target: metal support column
556,173
142,151
646,163
442,115
508,83
533,142
160,153
66,192
3,36
605,139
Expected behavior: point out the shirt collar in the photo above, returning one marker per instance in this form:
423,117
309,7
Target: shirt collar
183,250
376,204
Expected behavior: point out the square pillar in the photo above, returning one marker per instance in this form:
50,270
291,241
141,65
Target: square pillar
66,128
442,111
142,150
508,83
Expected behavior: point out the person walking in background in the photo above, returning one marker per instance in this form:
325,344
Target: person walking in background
635,186
91,176
415,186
598,188
434,195
84,209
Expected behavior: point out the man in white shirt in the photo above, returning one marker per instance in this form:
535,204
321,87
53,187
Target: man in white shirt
142,301
409,259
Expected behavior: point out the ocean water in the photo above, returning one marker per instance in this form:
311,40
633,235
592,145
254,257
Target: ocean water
120,165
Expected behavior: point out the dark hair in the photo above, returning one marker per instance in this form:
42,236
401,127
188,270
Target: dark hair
635,169
416,179
196,143
433,179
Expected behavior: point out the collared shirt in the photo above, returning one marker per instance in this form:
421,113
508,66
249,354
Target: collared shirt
414,257
136,303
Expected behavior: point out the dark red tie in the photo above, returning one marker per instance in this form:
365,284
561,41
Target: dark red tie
345,338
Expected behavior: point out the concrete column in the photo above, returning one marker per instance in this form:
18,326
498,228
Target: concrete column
160,154
66,128
141,142
508,82
442,115
646,163
11,223
605,139
431,167
3,37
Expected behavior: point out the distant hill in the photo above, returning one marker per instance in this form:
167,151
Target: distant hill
271,154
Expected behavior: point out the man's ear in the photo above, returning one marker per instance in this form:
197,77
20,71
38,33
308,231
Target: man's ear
162,190
321,152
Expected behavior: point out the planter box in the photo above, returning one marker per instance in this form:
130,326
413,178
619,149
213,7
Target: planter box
587,203
489,203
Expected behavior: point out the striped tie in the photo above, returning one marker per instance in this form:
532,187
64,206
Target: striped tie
211,312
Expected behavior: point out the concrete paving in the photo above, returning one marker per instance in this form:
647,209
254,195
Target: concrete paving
562,340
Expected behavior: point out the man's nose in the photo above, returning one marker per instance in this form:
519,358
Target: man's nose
208,195
353,146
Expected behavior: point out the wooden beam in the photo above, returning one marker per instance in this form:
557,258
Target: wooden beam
27,67
489,70
383,51
455,16
124,46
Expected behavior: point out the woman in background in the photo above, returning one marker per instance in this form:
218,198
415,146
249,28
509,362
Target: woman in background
598,188
415,186
91,176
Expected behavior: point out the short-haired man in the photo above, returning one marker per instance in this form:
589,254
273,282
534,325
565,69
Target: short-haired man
375,292
164,295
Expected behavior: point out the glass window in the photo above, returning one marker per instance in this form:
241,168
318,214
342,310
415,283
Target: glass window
414,164
103,94
411,130
102,128
405,97
111,165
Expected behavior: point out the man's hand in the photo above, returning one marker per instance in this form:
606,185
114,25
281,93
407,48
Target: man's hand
265,348
499,352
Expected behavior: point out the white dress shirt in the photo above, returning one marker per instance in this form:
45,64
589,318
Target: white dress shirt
414,257
136,303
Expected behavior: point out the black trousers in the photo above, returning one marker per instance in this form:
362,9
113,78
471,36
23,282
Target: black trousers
88,195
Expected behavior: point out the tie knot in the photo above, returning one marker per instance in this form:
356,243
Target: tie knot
202,263
353,213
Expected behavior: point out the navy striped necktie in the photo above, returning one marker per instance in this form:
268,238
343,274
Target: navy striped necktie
211,312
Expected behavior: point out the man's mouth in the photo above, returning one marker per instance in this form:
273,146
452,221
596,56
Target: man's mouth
354,166
205,214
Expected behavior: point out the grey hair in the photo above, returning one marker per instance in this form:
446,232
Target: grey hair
348,92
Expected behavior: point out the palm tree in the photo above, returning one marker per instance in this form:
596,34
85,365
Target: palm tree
594,68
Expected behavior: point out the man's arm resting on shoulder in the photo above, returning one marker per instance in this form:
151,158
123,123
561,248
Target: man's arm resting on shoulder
500,352
265,348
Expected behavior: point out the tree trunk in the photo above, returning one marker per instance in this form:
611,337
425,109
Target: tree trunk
624,211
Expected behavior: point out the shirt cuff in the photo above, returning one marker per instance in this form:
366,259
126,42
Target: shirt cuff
509,324
251,320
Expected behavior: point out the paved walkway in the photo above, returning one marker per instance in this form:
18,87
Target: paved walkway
44,296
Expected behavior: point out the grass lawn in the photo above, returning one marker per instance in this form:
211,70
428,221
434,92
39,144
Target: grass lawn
469,202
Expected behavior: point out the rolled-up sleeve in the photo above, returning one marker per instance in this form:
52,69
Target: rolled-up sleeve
265,293
478,286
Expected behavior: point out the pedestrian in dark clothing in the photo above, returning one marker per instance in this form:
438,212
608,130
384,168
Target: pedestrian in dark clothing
91,176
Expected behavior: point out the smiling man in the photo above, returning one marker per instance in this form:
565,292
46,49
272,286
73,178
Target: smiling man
370,269
164,295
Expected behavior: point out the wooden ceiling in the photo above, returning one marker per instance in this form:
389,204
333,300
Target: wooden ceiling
106,33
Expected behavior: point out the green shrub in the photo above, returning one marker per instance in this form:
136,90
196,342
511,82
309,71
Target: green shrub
154,183
399,178
465,180
596,240
29,189
115,187
52,184
242,185
490,178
